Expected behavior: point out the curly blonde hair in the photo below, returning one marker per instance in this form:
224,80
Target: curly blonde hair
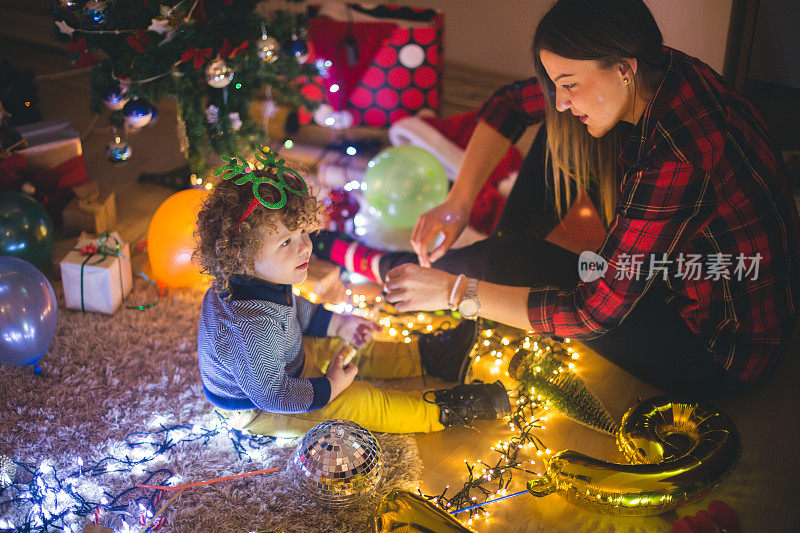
225,249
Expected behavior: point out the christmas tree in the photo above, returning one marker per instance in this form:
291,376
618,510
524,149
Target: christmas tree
543,376
210,56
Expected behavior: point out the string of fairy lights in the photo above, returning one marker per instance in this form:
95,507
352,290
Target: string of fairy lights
63,499
487,481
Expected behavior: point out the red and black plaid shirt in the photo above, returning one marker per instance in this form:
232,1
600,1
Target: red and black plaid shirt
704,204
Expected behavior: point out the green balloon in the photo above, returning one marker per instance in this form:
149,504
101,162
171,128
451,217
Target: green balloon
26,231
402,183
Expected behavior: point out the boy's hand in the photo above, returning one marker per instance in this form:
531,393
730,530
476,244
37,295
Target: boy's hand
353,329
340,376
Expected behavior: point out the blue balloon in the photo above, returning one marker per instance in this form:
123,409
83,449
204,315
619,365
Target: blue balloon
28,312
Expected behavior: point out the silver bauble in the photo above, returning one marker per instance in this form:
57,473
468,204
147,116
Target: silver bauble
338,464
219,74
267,48
95,13
118,151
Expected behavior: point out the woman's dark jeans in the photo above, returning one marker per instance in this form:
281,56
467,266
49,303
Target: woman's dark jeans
653,342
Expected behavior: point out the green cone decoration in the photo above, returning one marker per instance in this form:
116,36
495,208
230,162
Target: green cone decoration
561,387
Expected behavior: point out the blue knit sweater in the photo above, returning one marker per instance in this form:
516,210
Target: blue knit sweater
250,349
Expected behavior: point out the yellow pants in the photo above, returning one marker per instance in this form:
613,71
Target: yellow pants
383,411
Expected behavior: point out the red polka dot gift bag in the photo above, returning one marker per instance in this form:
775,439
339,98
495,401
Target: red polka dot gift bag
377,63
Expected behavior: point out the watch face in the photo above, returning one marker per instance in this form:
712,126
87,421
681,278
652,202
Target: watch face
468,307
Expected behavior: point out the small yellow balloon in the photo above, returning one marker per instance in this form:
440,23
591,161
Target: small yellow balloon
171,241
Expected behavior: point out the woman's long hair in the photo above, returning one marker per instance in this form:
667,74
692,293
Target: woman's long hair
608,31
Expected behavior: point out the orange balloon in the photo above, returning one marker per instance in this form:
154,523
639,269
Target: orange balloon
171,241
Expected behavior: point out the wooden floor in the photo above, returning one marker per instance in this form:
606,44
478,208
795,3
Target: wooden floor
764,488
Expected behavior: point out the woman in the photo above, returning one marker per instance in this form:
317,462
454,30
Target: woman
696,287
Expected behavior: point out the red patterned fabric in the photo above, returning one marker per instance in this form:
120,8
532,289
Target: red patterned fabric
399,69
702,178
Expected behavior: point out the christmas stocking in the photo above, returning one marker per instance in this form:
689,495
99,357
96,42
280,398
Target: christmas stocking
346,252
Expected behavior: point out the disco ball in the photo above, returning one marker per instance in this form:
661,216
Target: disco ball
338,463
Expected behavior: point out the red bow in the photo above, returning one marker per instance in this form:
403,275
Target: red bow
89,249
140,41
200,55
228,51
87,57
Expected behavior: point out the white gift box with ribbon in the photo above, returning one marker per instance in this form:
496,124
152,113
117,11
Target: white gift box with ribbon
94,281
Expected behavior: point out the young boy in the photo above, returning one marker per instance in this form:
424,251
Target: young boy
265,355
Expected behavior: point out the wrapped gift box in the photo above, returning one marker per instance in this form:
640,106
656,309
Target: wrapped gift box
385,61
106,280
50,143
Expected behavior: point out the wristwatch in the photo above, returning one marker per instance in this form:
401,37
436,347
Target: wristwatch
470,306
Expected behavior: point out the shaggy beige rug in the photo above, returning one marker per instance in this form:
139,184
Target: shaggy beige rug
134,375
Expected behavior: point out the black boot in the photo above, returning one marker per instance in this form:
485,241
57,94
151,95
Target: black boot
445,353
464,403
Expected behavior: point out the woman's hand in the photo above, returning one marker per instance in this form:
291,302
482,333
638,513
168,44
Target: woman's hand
450,218
414,288
352,329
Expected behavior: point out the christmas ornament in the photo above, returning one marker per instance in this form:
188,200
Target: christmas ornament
65,28
342,206
67,4
118,150
298,49
28,322
160,26
95,12
401,510
212,114
137,113
326,116
678,451
8,469
338,463
218,74
563,390
402,182
115,99
236,121
267,48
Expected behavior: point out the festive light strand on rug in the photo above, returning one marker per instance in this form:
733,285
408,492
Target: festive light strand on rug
488,482
58,500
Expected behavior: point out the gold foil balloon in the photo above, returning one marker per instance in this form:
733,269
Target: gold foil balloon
679,451
401,511
338,463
